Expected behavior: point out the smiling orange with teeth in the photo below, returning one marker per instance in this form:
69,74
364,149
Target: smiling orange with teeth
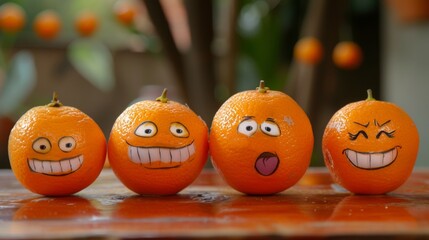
374,159
163,156
56,150
55,167
158,147
370,146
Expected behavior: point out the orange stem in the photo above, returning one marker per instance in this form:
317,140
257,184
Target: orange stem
262,88
55,102
163,98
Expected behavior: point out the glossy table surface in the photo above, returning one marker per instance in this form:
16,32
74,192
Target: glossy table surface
209,208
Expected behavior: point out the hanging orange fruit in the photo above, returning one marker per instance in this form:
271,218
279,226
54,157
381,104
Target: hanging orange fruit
86,23
124,12
12,17
308,50
47,24
347,55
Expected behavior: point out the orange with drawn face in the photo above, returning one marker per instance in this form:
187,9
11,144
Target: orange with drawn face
56,150
370,146
261,141
158,147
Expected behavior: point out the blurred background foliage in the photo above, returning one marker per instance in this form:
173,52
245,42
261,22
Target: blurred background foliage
110,31
211,50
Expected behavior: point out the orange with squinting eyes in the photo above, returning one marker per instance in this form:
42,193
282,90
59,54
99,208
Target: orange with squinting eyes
158,147
370,146
56,150
261,141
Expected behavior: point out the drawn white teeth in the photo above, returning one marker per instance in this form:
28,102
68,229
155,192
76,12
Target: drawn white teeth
165,155
56,168
184,153
144,155
373,160
175,155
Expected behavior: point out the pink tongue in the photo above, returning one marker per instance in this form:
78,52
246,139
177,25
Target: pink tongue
266,165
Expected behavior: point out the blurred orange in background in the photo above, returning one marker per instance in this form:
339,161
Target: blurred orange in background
12,17
47,24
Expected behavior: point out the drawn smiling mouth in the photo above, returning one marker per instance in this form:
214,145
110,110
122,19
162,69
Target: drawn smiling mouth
161,157
56,168
372,160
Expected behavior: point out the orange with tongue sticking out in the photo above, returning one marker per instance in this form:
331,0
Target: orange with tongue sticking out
261,141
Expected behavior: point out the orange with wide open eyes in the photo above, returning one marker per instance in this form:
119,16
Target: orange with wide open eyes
370,146
261,141
158,147
56,150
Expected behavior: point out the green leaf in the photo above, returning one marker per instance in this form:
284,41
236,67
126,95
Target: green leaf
94,62
20,81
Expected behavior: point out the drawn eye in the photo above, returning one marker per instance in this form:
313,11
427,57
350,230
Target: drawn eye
270,128
146,129
42,145
355,136
248,127
388,134
179,130
67,144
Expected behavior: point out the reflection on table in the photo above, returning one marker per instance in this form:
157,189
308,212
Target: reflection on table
313,207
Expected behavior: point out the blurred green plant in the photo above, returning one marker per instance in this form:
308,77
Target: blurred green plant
17,70
94,61
19,81
266,30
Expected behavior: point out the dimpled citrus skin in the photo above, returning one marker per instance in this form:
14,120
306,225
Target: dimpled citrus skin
234,154
374,113
165,180
54,123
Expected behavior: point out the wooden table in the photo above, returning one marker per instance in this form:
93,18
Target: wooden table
209,208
